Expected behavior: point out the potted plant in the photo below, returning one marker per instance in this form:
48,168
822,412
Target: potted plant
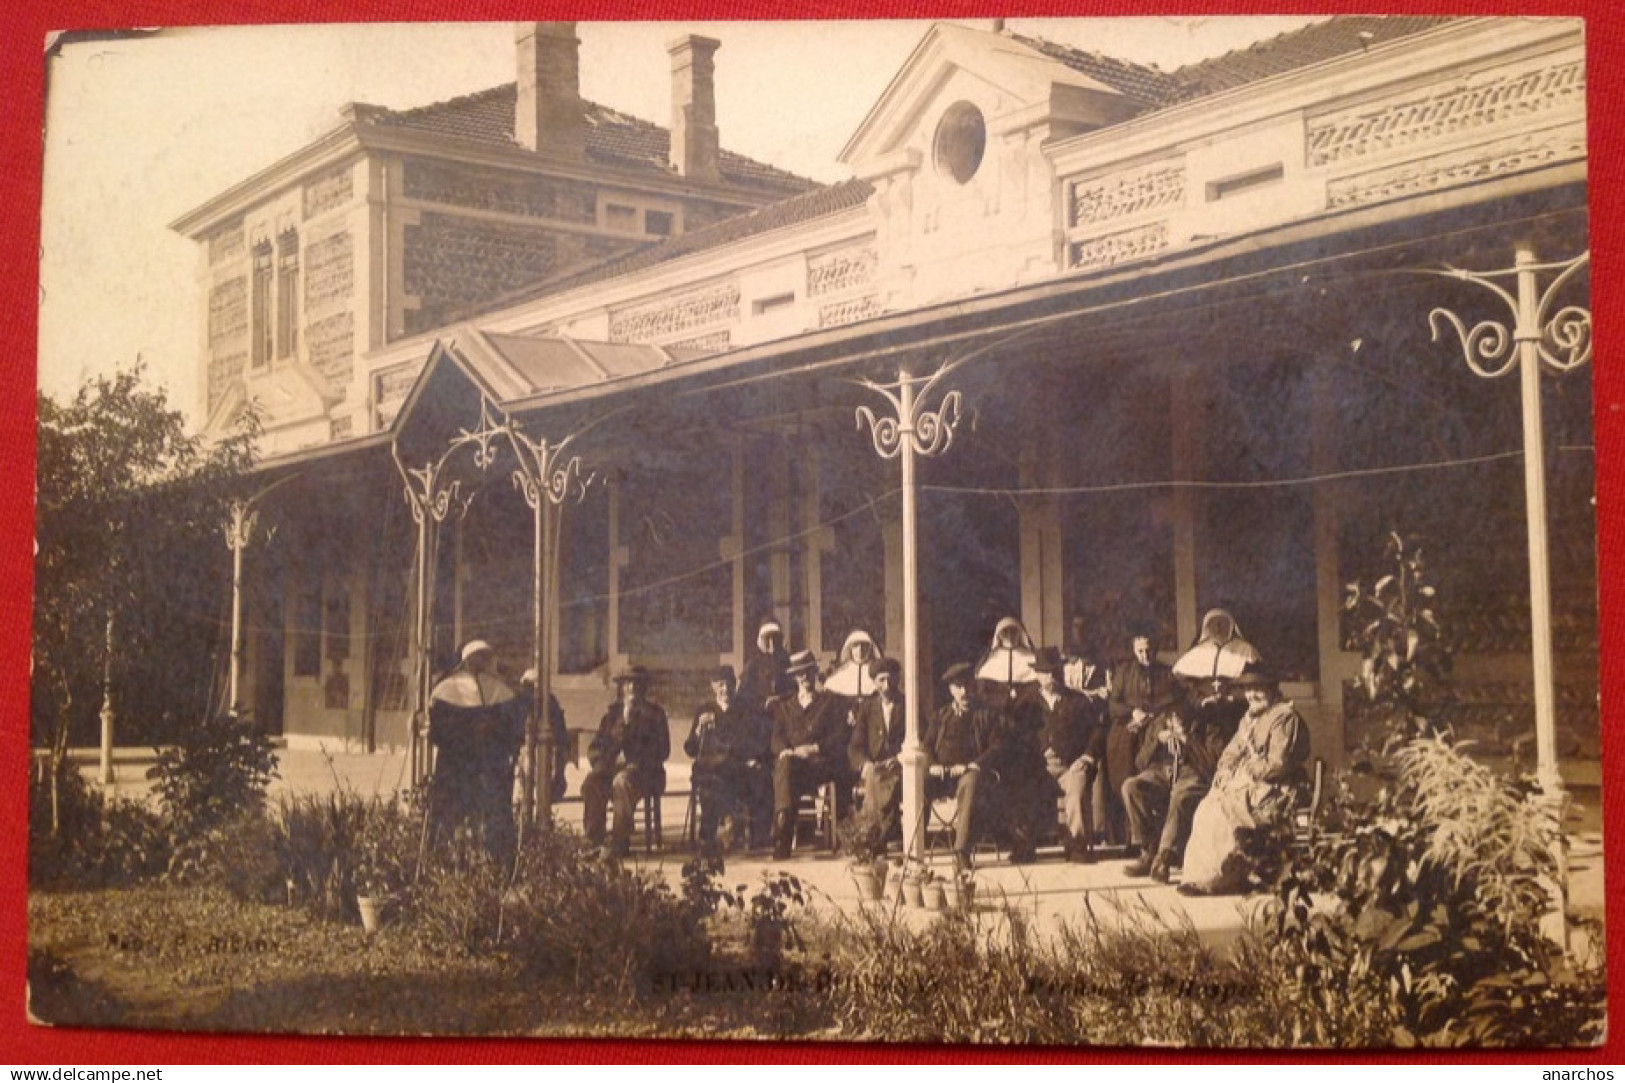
915,877
376,873
959,891
932,892
863,840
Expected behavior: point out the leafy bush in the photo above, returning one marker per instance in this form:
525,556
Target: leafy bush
215,772
1405,666
1441,884
96,842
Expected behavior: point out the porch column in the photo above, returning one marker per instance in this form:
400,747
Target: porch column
1335,665
911,431
1185,422
1042,589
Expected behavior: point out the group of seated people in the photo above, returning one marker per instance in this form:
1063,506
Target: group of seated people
1169,763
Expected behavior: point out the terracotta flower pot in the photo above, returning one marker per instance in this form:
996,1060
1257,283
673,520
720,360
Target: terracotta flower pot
912,893
371,908
871,880
934,896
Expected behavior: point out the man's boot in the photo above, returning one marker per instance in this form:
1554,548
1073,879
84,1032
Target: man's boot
784,826
1140,866
1160,866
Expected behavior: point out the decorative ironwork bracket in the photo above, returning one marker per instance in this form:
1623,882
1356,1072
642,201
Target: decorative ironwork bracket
1562,338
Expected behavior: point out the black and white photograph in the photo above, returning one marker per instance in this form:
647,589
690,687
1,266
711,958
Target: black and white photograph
1019,531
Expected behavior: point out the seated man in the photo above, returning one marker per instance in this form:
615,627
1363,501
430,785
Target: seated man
1074,745
1179,749
809,745
964,742
730,754
877,738
628,758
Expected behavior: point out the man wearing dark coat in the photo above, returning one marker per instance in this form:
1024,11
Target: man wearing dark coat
965,747
1074,745
1179,750
628,758
476,725
1136,685
877,738
809,747
730,751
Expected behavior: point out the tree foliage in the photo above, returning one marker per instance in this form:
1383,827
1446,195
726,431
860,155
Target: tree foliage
128,514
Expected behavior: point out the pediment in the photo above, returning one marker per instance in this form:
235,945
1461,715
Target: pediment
1010,83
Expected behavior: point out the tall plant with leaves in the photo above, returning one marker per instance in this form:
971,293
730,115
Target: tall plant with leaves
126,499
1405,664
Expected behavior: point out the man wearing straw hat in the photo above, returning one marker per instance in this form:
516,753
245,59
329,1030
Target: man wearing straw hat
628,758
476,725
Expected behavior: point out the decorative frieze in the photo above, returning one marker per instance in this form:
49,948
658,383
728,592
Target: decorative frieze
841,270
332,189
1506,156
228,311
1130,192
674,315
715,342
389,390
1444,110
850,310
530,197
1115,248
226,242
330,272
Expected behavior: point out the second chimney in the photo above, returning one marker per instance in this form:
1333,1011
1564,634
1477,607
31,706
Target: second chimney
548,111
694,145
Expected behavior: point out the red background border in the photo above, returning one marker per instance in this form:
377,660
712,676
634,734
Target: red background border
22,37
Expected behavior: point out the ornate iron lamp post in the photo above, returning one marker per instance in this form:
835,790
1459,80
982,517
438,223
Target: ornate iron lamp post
1539,337
547,478
912,431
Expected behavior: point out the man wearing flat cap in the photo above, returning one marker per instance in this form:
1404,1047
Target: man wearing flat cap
729,747
877,738
809,746
628,758
964,743
476,725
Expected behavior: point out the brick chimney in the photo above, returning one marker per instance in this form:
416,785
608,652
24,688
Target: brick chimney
547,115
694,146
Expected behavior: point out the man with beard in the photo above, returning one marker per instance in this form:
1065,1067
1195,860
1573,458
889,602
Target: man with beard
730,753
964,742
628,758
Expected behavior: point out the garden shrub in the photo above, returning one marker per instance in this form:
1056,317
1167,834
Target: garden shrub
97,842
1440,885
216,772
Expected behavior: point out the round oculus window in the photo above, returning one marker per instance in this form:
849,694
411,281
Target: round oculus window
961,139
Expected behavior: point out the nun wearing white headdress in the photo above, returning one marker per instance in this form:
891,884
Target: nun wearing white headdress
850,675
1008,662
476,725
1220,654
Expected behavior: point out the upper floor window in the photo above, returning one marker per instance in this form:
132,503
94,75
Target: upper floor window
634,215
275,302
287,294
260,315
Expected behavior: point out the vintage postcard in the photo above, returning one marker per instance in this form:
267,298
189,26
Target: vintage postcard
1046,531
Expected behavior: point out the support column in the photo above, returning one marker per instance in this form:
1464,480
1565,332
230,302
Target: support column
1185,422
1326,501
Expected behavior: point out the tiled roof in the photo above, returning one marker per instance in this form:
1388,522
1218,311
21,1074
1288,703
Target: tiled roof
1146,86
803,208
613,138
1341,35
